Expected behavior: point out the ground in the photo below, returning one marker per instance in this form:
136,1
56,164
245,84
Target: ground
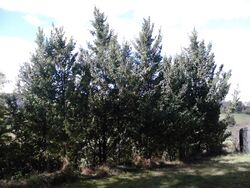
225,171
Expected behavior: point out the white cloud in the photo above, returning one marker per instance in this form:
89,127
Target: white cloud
14,52
176,19
173,12
231,48
34,20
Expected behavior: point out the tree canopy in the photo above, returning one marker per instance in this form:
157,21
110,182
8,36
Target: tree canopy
111,101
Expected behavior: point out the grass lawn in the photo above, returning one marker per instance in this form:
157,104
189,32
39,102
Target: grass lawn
225,171
240,118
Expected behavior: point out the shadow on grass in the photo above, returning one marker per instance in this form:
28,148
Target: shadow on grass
221,172
210,174
232,180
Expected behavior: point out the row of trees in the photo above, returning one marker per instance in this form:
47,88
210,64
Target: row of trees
110,101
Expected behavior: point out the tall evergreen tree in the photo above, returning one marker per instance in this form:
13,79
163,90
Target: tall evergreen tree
196,89
50,87
148,57
102,64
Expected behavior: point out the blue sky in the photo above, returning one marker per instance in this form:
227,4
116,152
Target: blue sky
14,24
225,23
18,24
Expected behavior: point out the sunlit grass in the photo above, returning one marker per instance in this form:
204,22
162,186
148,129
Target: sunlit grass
240,118
233,159
225,171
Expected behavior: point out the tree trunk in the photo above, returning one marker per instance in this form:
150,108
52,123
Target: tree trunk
66,160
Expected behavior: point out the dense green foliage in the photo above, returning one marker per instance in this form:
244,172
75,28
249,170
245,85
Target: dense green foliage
111,101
